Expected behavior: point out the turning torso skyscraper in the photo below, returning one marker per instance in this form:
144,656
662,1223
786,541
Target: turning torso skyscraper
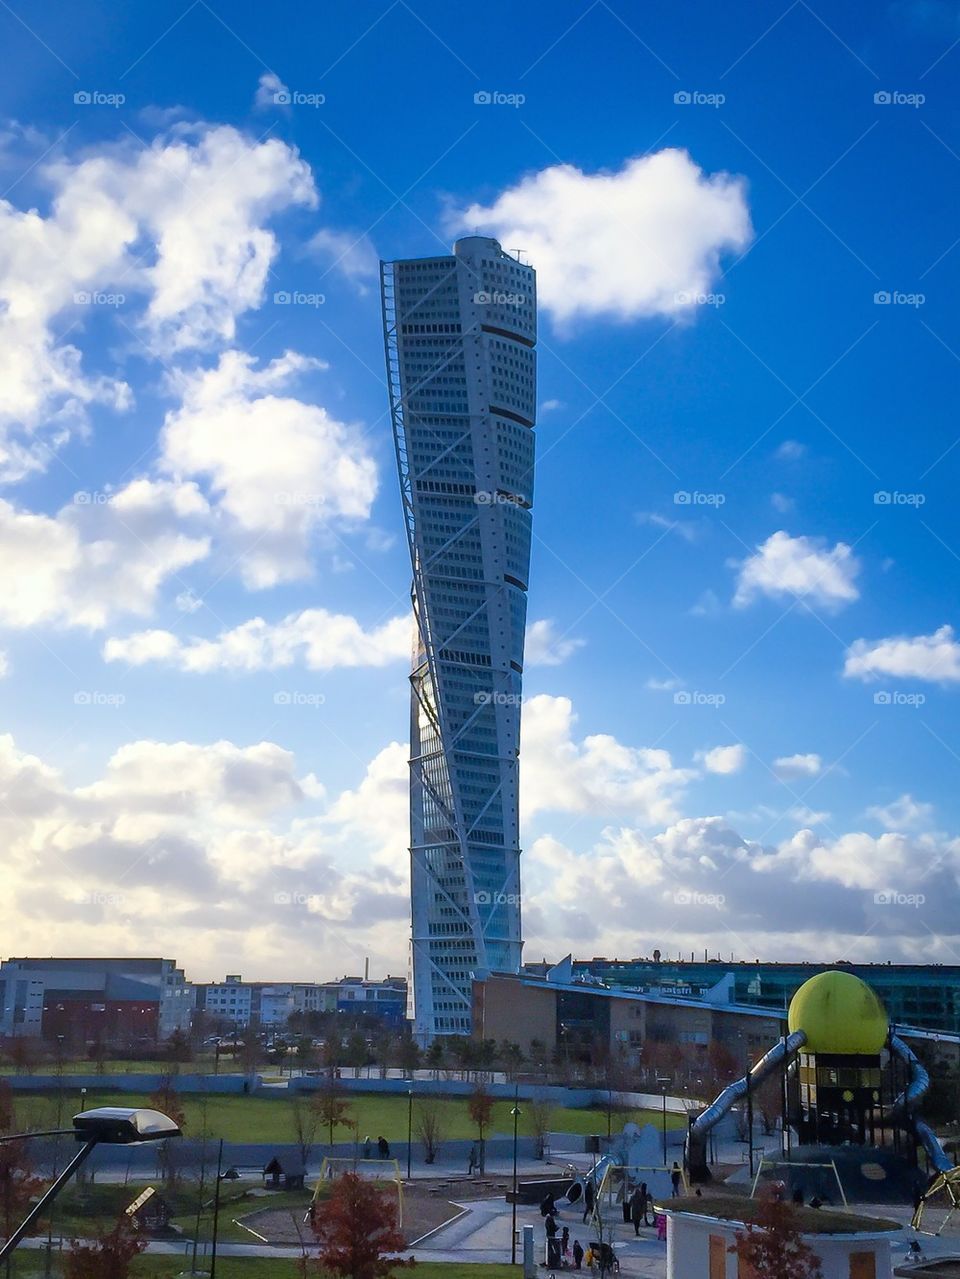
460,334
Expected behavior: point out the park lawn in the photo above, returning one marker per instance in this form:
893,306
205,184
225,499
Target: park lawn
267,1120
201,1065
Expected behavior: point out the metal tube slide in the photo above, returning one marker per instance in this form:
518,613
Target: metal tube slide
905,1103
696,1150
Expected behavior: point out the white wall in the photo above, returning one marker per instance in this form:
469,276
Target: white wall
688,1249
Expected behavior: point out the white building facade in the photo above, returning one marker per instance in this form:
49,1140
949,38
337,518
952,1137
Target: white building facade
460,335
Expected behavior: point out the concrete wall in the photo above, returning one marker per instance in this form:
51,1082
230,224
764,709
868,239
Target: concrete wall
131,1083
688,1249
558,1096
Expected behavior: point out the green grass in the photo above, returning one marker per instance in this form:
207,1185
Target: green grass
269,1119
201,1065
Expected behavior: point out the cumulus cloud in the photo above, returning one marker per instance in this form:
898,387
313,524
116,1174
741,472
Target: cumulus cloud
212,852
701,883
351,253
101,556
790,451
934,657
179,224
314,637
278,468
597,775
804,567
644,240
543,646
905,813
271,92
790,767
724,759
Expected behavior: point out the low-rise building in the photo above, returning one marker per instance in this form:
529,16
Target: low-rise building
81,1001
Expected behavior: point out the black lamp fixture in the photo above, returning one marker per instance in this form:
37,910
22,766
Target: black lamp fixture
107,1125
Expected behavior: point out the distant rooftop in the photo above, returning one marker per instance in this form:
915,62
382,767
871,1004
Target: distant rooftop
812,1221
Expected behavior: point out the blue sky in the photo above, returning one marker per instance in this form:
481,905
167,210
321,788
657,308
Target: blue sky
718,203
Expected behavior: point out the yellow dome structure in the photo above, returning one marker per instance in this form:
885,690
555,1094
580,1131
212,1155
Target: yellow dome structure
839,1013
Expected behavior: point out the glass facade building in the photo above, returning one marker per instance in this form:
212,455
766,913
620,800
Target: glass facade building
922,995
460,333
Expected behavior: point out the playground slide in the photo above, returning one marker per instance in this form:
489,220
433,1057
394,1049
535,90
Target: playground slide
594,1175
909,1099
696,1152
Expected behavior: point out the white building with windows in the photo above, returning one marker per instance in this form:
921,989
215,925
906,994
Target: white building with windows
460,333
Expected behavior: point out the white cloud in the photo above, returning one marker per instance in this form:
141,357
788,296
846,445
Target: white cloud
544,647
320,640
95,559
804,567
645,240
933,657
905,813
4,665
794,766
724,759
597,775
780,502
180,222
269,86
551,406
279,468
790,451
349,252
683,528
662,685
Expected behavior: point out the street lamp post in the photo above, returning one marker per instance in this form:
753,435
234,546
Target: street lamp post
513,1236
663,1080
110,1125
409,1130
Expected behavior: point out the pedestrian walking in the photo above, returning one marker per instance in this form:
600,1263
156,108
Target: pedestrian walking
577,1254
383,1146
589,1195
367,1147
565,1240
473,1160
637,1207
548,1205
675,1178
647,1204
551,1227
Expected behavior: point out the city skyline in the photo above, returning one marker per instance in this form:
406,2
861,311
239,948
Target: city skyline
741,664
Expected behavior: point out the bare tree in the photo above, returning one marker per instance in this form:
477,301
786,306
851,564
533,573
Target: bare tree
305,1118
540,1113
431,1130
